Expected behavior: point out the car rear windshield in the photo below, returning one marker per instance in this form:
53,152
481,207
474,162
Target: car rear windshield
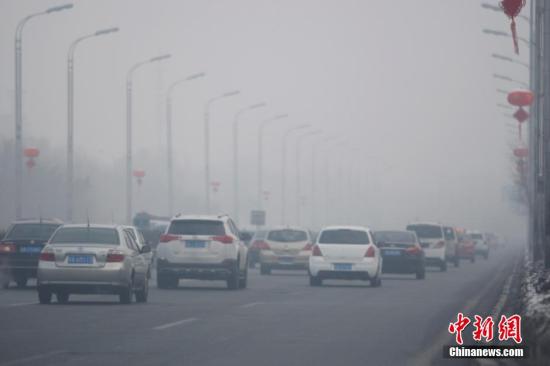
344,236
31,231
79,235
426,231
287,236
196,227
476,236
395,237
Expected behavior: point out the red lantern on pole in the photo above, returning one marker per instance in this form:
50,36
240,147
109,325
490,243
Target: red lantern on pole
521,152
512,8
31,153
521,98
139,174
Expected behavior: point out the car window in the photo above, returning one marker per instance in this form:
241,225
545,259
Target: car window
196,227
130,240
344,236
395,237
449,233
79,235
476,236
287,235
426,231
233,228
31,231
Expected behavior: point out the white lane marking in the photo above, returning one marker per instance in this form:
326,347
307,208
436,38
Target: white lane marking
31,358
503,299
249,305
175,324
21,304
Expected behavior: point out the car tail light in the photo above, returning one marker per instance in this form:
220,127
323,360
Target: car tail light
316,251
7,248
261,245
440,244
47,256
115,256
370,252
308,246
415,249
165,238
224,239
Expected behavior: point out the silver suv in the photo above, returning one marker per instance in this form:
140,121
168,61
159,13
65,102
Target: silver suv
204,248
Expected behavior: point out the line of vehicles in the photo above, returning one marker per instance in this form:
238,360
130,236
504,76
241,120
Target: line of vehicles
88,258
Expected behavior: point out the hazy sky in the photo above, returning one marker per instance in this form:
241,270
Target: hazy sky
407,82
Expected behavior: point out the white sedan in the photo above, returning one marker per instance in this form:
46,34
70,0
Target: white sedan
345,252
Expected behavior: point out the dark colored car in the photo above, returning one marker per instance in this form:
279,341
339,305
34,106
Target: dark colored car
401,252
20,249
257,243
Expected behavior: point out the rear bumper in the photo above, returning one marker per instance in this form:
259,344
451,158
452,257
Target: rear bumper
84,288
204,271
112,274
320,267
434,262
344,275
285,261
14,264
402,264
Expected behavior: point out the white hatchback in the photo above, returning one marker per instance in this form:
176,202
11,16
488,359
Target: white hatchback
347,253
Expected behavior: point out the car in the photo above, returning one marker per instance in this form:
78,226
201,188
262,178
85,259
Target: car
466,246
285,248
256,244
203,247
451,243
141,242
401,252
437,250
480,243
20,249
93,259
347,253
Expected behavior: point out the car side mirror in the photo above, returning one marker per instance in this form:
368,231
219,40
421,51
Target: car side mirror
145,249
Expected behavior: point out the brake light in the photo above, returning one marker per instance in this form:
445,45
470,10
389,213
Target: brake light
165,238
224,239
261,245
316,252
415,249
308,246
440,244
7,248
370,252
115,257
47,256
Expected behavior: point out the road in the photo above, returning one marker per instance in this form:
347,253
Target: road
278,320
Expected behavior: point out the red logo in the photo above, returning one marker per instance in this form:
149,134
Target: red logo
508,328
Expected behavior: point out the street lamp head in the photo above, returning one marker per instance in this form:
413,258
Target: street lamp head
498,76
257,105
160,58
502,91
501,57
231,93
491,7
496,32
106,31
59,8
195,76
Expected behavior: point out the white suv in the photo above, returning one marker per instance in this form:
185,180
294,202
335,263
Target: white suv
204,248
438,242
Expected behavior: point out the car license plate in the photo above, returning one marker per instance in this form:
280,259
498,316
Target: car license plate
392,253
30,249
80,259
195,244
286,259
342,266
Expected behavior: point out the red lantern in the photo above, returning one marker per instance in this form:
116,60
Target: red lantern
521,152
521,115
139,174
30,163
31,152
521,98
512,9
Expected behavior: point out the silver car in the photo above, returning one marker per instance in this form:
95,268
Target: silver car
93,259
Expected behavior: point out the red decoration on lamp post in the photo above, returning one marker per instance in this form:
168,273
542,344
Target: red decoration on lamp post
266,195
520,99
215,186
139,174
31,153
521,152
512,8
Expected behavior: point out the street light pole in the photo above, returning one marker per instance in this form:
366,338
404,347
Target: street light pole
509,59
129,130
236,120
263,125
207,144
503,77
299,140
70,118
286,135
18,164
169,153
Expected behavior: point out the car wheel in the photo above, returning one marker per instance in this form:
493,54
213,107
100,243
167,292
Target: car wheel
234,277
21,281
142,294
315,281
244,280
376,282
62,297
264,269
457,261
125,296
421,273
44,296
443,266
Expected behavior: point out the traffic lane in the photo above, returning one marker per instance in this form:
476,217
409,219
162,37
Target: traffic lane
280,319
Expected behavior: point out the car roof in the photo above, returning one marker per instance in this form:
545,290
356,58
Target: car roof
94,226
434,223
297,228
346,227
38,221
394,231
200,217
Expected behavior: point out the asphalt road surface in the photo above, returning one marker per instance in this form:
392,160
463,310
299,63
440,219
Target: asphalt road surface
278,320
